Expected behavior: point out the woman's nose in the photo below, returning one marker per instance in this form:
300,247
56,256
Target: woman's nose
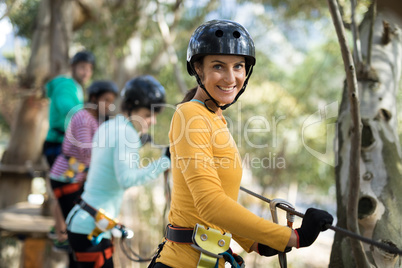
229,76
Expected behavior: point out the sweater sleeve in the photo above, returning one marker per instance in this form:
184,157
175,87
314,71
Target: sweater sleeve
192,138
66,100
245,243
127,163
82,134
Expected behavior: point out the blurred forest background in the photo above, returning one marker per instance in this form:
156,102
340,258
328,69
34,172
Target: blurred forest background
284,124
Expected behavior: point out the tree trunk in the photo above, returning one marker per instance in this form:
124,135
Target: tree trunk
24,150
49,56
380,204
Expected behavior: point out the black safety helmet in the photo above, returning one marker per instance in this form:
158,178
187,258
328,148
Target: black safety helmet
97,88
83,56
143,92
221,37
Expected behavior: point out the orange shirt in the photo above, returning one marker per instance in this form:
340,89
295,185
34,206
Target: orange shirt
206,169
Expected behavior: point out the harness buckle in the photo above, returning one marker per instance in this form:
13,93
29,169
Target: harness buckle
74,167
103,223
210,243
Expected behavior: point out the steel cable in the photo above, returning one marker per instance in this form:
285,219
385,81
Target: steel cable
386,247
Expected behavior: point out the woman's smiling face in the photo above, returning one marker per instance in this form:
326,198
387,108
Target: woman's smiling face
223,76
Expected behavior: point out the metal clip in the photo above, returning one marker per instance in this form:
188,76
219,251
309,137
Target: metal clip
290,218
210,243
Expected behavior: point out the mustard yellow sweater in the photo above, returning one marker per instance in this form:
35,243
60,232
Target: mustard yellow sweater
206,170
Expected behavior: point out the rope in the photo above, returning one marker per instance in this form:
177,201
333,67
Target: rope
137,258
168,198
386,247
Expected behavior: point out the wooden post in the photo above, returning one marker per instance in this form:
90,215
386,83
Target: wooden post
34,252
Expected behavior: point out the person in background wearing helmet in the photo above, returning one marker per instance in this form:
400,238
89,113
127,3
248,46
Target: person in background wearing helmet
206,166
69,171
115,166
66,95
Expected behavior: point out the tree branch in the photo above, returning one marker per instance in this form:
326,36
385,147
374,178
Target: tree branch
345,24
354,169
373,13
9,8
166,36
357,51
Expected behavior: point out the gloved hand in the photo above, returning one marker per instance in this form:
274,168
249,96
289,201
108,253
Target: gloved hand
236,257
313,223
167,152
267,251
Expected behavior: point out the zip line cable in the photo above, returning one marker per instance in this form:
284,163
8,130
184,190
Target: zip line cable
386,247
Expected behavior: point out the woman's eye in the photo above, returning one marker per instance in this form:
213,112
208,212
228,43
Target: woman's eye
218,67
239,66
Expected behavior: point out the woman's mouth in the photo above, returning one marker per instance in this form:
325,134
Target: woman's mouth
226,88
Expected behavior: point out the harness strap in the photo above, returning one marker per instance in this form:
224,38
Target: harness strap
98,257
88,208
66,189
179,235
184,235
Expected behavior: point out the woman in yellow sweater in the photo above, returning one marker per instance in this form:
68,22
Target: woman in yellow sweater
206,166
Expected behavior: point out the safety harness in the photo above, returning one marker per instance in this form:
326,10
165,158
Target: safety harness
70,187
104,223
66,189
212,244
97,257
74,167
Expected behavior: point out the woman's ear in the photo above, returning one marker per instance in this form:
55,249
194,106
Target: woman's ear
198,69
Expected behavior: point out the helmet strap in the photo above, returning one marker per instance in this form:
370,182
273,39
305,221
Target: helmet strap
209,95
223,107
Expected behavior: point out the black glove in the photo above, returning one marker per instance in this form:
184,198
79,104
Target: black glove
236,257
314,221
167,152
267,251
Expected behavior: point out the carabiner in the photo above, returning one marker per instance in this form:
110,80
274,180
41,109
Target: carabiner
290,219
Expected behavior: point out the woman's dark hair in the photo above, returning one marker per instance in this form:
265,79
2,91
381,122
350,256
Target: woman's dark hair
189,95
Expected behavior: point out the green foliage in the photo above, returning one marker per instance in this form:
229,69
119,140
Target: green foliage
281,94
284,95
23,16
277,102
279,110
290,10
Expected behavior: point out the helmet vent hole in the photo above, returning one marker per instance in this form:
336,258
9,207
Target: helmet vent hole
219,33
236,34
